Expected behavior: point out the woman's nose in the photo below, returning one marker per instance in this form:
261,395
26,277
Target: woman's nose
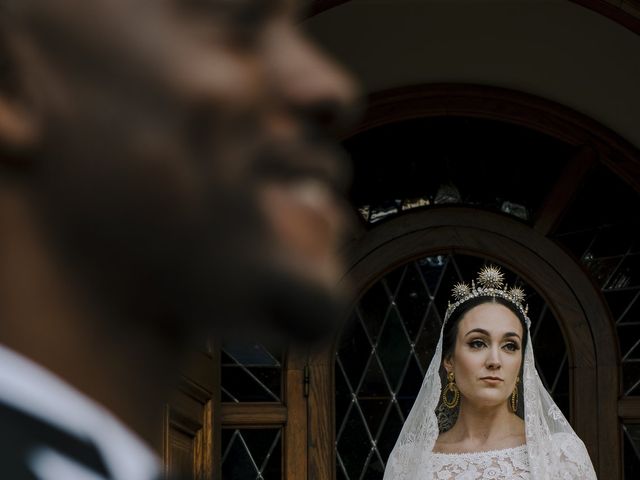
493,359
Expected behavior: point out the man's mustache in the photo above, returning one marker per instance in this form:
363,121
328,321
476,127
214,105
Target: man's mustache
303,159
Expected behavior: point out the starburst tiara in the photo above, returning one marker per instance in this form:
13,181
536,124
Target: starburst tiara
489,283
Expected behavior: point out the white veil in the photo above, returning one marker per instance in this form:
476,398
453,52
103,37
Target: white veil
554,450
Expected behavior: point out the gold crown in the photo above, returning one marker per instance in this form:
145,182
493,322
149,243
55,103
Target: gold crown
489,283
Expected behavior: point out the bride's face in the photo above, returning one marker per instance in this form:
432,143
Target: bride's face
487,355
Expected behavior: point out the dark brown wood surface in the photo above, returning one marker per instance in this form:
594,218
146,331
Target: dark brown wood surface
295,431
254,414
190,444
322,416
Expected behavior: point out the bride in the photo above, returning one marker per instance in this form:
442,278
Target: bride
493,419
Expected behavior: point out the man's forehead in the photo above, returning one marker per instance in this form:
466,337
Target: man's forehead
121,22
71,7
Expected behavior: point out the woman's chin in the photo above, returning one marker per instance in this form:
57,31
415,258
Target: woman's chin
488,402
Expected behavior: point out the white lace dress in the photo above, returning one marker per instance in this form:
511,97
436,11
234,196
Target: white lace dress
505,464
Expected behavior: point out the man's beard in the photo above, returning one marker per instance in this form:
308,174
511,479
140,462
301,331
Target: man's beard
148,262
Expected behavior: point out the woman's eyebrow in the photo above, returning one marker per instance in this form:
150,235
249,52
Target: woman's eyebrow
511,334
484,332
477,330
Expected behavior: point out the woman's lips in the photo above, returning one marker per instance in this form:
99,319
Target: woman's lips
492,380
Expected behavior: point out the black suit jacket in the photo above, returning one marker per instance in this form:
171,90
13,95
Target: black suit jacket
22,436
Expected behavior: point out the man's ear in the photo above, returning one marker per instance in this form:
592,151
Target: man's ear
19,128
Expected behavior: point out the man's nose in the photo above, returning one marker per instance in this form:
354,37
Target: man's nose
309,82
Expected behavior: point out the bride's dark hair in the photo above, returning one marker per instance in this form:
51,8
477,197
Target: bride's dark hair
446,417
451,327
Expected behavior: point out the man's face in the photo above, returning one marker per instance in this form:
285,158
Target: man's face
183,158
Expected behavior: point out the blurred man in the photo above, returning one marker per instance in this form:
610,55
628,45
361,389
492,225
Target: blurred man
164,172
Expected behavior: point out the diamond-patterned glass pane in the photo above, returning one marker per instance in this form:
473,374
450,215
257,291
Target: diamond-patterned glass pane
630,376
356,348
252,454
551,355
428,338
410,385
394,347
372,309
385,350
412,300
354,442
374,410
631,451
250,373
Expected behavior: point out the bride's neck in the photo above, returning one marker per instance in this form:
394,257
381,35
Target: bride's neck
482,425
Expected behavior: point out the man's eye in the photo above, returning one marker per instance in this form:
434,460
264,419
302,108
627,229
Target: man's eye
248,14
477,344
201,7
242,20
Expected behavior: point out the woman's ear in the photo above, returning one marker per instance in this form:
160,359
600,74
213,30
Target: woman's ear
447,362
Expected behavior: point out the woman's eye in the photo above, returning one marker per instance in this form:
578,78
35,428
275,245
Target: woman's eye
512,347
476,344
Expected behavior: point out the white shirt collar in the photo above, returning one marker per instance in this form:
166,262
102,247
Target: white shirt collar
32,389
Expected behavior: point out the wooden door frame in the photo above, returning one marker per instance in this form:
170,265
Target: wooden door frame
585,321
290,414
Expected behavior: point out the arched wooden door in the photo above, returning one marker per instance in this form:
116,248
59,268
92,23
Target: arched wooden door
444,233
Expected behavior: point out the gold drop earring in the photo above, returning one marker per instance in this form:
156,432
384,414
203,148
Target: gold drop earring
514,396
451,387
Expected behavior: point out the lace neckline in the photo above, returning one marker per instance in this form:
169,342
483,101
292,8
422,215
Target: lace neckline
499,451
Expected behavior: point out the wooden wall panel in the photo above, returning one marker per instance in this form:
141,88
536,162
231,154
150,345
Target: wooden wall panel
190,431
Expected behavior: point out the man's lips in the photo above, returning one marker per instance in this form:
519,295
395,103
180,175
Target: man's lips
302,160
307,219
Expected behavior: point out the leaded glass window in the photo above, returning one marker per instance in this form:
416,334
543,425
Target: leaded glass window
452,160
384,351
250,372
631,450
252,454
